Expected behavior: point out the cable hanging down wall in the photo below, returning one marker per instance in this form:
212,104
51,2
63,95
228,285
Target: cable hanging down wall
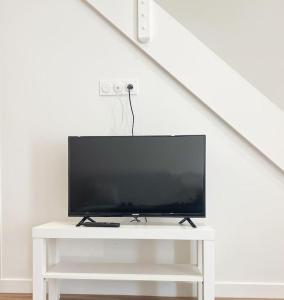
129,88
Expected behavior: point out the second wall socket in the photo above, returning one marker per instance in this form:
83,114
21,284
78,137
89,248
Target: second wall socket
114,87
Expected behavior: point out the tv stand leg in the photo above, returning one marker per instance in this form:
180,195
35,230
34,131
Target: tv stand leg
85,219
189,221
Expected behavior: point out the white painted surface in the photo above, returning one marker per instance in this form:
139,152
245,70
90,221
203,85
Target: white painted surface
123,271
114,87
208,266
143,20
248,35
46,241
200,268
51,73
16,285
250,289
39,269
132,232
53,258
205,75
53,289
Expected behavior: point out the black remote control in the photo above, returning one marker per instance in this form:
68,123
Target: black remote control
101,224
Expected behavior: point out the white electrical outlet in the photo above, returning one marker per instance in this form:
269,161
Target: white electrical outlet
114,87
118,88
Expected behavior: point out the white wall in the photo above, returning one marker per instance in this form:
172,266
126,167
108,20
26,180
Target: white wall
248,35
53,55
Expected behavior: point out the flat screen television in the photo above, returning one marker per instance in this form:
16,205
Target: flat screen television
155,176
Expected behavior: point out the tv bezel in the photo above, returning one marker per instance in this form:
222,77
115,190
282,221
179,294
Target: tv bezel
125,214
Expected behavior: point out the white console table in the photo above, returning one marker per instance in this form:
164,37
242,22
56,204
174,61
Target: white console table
47,267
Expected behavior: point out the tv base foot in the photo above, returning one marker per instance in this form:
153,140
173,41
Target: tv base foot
135,219
189,221
85,219
92,223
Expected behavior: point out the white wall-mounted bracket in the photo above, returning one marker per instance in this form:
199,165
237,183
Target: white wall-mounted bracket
143,20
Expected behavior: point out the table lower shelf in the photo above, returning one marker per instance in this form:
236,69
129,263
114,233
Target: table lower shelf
125,271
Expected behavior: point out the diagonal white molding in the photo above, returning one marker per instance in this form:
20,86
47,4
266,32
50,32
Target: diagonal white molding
205,75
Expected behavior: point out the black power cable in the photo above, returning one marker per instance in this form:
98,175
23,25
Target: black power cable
129,88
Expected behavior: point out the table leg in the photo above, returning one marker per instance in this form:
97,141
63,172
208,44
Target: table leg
208,270
200,267
39,268
53,258
53,289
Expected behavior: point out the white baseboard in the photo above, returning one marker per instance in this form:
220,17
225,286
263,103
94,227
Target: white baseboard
230,289
233,289
15,285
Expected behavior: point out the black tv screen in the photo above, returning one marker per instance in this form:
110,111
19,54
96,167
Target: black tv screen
145,175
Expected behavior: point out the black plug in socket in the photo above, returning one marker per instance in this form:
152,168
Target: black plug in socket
130,86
